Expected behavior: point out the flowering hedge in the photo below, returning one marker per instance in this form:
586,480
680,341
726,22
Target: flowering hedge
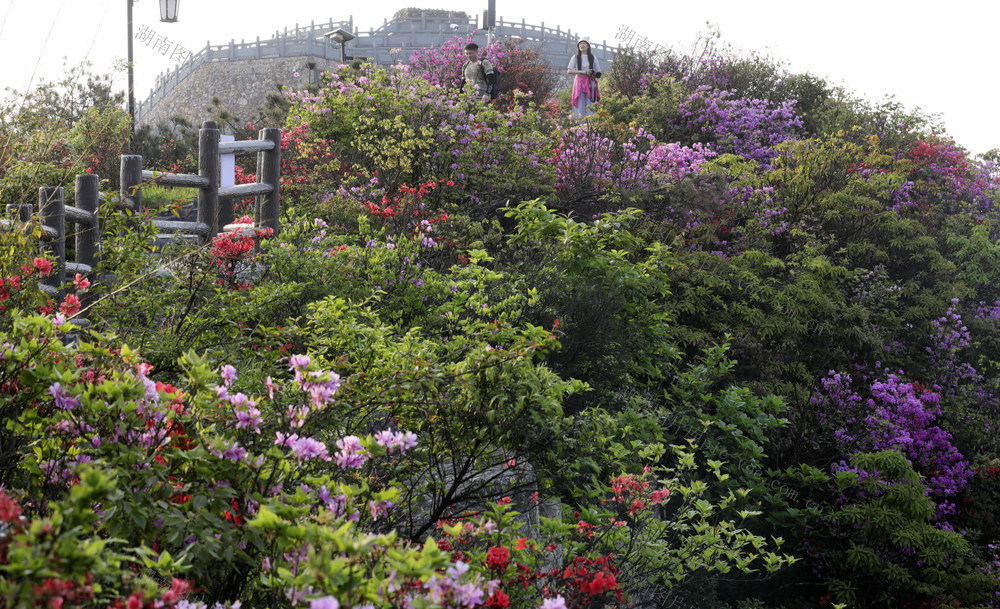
402,128
499,358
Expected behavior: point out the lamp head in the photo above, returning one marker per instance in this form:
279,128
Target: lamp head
168,10
339,35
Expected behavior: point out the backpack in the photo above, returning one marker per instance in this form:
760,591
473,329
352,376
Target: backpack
493,88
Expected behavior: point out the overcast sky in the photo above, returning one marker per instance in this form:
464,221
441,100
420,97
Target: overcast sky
938,56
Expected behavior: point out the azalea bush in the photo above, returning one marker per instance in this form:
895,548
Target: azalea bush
950,184
99,139
898,416
399,128
58,559
19,271
730,343
442,65
655,110
651,86
913,560
520,65
104,411
747,127
637,545
599,161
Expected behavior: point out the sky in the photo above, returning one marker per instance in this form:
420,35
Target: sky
936,56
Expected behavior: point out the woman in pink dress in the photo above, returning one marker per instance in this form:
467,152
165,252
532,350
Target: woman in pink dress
587,70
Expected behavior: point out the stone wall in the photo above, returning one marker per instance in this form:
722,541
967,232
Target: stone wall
243,75
242,86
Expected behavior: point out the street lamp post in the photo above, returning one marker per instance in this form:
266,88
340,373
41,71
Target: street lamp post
131,79
490,20
341,36
168,14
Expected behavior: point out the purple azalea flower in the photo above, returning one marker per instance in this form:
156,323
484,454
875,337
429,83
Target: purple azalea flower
554,603
298,362
352,454
228,374
64,401
327,602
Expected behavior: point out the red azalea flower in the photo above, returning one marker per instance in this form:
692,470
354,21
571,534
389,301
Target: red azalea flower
498,599
497,558
81,283
44,266
70,305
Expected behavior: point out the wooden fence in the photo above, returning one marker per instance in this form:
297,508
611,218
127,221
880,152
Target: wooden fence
215,204
54,214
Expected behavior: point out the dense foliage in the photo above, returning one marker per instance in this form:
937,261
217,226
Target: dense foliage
730,343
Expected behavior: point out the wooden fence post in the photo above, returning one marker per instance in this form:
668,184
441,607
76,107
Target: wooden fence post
130,190
269,172
208,168
52,213
131,179
23,210
88,197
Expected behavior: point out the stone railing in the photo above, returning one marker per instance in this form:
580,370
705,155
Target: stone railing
305,41
393,41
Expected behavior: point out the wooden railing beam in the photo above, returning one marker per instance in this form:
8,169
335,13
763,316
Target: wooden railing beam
246,146
188,180
244,190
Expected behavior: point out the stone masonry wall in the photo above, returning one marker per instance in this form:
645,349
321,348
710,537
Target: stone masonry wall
242,83
242,86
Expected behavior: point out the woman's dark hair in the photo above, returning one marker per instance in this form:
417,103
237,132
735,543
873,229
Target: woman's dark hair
579,55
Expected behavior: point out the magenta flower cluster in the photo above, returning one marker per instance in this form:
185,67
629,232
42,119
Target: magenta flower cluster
303,448
746,127
442,65
400,440
942,172
586,159
454,589
320,385
352,454
900,415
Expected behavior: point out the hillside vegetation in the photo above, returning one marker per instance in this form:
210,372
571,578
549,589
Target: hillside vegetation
730,343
